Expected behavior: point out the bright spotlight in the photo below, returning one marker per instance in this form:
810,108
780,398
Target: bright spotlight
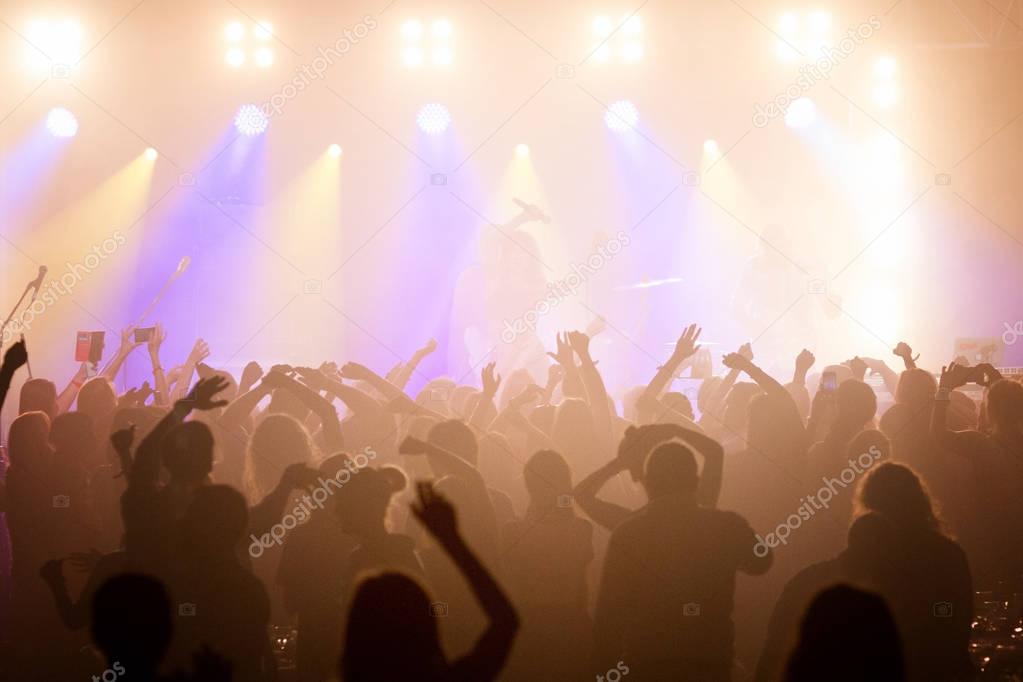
251,120
885,67
264,30
633,25
60,41
801,113
632,52
264,57
602,27
819,22
621,116
433,119
412,30
235,57
710,147
334,150
151,154
61,123
522,150
788,24
603,54
234,31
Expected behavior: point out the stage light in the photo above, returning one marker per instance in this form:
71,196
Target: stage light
251,120
632,52
710,147
264,57
621,116
803,36
61,123
801,113
412,30
234,31
151,154
885,67
60,41
419,43
334,150
433,119
241,51
235,57
522,150
624,39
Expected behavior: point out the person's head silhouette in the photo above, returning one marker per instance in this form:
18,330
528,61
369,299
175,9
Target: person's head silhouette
131,623
670,470
38,395
388,610
897,492
847,635
188,453
547,477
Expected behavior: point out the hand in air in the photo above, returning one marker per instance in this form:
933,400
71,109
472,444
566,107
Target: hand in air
954,376
201,397
804,361
686,345
491,380
563,355
436,513
16,356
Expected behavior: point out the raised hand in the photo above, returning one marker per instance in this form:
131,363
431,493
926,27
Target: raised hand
746,351
564,356
686,345
804,361
122,439
313,378
491,380
128,342
15,357
200,351
903,351
201,397
356,372
736,361
275,378
954,376
156,340
858,367
251,374
580,343
436,513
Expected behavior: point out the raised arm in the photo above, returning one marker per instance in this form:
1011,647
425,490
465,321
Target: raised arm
67,397
200,351
128,344
161,389
963,443
316,403
486,659
685,348
572,385
442,462
903,351
606,514
596,392
485,411
401,378
717,400
15,357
